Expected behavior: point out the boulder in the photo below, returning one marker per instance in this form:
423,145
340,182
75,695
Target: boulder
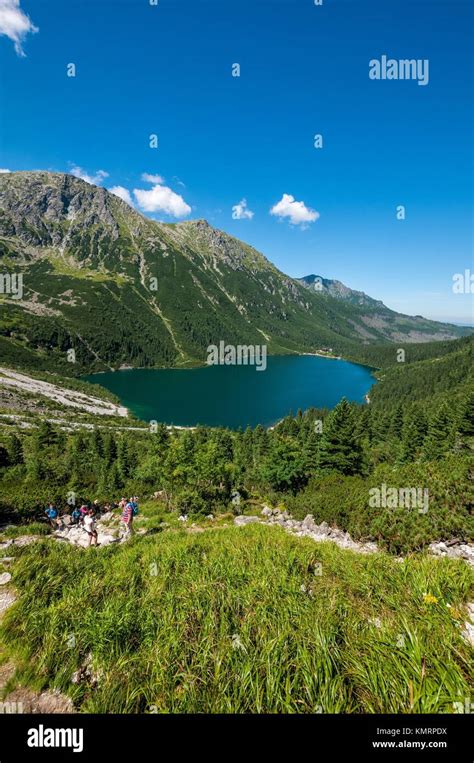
241,520
7,598
460,551
45,702
5,578
26,540
266,511
108,515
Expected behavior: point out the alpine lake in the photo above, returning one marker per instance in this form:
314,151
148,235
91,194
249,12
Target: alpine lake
236,396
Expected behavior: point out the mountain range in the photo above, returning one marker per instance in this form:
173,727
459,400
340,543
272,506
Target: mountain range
121,289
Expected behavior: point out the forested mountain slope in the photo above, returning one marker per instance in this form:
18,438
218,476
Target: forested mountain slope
119,288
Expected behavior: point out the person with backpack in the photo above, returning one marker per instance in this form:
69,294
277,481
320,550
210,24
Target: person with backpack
75,516
83,513
53,516
127,519
90,527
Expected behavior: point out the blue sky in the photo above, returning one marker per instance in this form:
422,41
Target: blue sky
304,70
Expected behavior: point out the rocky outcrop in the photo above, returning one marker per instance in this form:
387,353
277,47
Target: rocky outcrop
29,701
240,521
322,532
453,550
22,540
307,528
108,532
7,598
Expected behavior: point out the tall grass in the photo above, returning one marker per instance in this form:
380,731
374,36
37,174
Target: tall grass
240,620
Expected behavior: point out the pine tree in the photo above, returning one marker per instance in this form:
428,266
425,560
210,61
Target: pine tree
4,457
114,480
124,459
340,448
396,422
225,444
311,453
97,443
440,434
283,468
35,469
110,448
15,451
466,422
160,439
262,442
45,435
412,436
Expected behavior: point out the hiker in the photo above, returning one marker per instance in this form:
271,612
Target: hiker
75,516
97,508
127,519
83,513
90,527
53,516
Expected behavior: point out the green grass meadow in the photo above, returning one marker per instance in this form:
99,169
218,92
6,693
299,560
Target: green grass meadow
240,620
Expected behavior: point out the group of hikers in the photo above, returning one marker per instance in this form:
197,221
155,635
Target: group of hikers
88,513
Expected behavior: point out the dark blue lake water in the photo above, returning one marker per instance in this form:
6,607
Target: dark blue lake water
236,396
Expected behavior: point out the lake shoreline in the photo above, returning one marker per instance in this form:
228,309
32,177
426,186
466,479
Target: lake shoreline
193,364
234,396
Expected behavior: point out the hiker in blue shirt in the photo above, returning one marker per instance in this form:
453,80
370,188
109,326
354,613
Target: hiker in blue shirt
75,516
52,514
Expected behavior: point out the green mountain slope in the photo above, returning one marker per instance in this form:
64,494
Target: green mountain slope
119,288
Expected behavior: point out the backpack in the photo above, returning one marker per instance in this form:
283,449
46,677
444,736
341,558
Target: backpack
134,508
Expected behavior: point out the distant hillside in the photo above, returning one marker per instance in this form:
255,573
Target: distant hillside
119,288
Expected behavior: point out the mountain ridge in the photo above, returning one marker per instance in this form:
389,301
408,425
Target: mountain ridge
339,290
120,288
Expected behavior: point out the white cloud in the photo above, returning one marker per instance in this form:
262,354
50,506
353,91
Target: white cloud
160,198
240,211
96,179
297,211
155,179
3,172
122,193
15,24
